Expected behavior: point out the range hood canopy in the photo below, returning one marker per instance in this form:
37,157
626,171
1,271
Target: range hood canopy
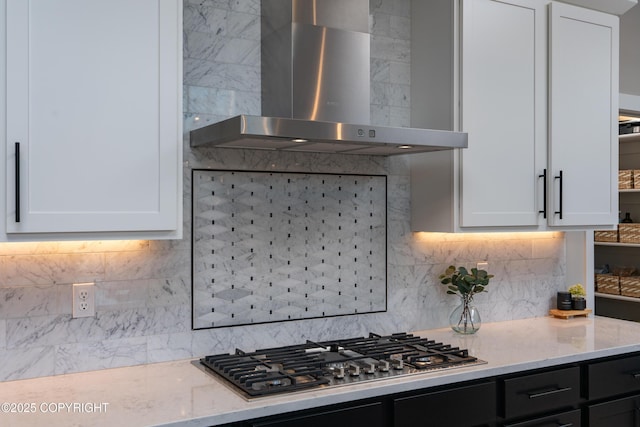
315,88
273,133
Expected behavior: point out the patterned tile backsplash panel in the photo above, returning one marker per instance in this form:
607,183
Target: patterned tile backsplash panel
274,246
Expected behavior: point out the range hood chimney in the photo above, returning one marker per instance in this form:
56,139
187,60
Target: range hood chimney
315,88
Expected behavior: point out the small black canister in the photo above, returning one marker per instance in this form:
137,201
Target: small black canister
564,301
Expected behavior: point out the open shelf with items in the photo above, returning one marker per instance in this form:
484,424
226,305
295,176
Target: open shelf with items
629,166
621,251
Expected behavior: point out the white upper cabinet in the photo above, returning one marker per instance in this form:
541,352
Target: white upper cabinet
583,116
93,119
503,94
524,128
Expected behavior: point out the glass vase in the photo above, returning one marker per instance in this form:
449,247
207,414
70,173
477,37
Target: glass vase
465,318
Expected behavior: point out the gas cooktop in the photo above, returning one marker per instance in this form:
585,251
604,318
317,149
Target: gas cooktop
334,363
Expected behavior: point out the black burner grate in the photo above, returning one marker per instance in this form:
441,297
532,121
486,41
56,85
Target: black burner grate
332,363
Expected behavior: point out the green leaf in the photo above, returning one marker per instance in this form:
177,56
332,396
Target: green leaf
465,282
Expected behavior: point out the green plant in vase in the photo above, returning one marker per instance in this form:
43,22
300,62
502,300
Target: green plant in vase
465,283
578,295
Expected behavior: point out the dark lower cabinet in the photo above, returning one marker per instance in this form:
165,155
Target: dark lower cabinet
371,414
616,413
541,392
614,387
613,377
468,406
564,419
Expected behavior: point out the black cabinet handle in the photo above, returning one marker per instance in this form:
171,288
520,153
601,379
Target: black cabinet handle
548,392
17,181
544,194
559,212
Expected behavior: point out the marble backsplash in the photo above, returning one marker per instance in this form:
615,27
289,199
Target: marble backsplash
144,287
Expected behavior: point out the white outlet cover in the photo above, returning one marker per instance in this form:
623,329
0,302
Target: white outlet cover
84,300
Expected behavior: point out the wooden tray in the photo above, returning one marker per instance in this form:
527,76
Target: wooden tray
565,314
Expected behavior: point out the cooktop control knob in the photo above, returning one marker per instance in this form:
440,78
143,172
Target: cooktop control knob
398,365
354,370
369,368
338,372
383,365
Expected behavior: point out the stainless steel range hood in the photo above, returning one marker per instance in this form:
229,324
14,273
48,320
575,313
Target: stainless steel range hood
315,88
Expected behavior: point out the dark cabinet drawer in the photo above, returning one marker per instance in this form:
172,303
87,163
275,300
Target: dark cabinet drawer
372,414
564,419
614,377
468,406
547,391
616,413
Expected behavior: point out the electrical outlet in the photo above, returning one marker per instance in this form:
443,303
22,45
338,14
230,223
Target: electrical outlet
482,265
84,300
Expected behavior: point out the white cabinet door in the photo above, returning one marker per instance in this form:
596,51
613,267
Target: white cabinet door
503,110
583,103
94,108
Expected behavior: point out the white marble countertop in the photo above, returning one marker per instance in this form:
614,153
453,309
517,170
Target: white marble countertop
181,394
